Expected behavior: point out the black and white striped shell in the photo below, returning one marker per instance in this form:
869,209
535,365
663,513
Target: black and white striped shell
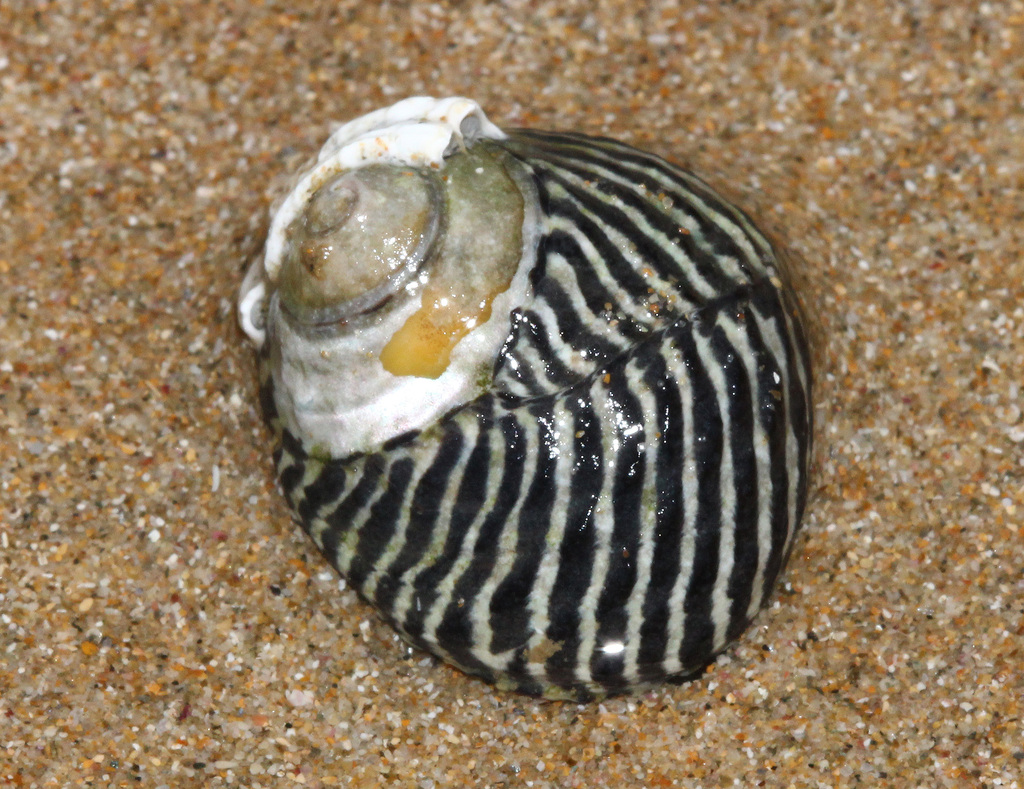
542,398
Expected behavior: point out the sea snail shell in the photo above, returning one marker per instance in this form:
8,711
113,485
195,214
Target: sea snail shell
543,399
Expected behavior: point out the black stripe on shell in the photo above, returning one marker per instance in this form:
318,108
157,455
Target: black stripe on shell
659,208
455,631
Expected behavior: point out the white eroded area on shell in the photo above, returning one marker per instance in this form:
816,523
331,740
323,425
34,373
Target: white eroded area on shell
251,299
459,116
332,392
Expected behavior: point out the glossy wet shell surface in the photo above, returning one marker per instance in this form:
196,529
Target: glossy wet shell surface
616,507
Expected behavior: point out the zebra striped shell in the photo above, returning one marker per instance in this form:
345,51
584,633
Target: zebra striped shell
612,505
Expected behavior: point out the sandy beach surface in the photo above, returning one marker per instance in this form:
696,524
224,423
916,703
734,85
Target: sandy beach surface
162,621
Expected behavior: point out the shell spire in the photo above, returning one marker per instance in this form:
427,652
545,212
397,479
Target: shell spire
417,131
